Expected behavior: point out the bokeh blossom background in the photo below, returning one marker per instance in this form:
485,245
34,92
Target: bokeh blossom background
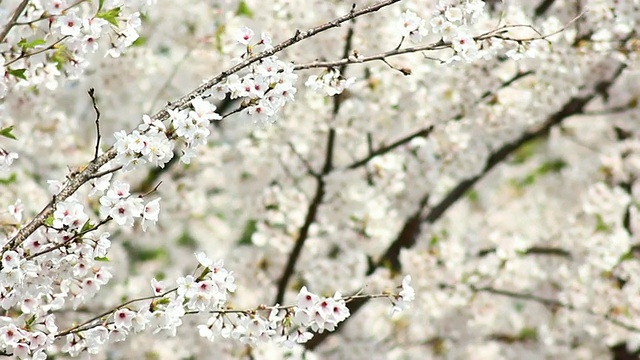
437,179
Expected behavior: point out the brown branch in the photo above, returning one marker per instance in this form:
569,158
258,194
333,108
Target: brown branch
16,14
534,250
543,7
495,33
385,149
424,132
553,303
28,54
98,136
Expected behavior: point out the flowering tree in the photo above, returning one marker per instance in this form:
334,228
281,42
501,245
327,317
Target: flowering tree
384,179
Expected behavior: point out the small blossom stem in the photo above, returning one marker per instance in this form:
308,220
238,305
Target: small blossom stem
88,324
46,16
72,239
29,54
84,327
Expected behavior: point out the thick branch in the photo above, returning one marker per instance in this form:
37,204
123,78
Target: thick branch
303,233
16,14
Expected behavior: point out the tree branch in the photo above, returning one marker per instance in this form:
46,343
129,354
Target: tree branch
424,132
16,14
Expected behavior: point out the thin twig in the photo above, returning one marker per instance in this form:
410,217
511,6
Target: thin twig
72,239
424,132
496,33
98,137
29,54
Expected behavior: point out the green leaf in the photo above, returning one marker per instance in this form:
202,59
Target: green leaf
141,254
244,10
627,256
473,196
601,225
140,41
528,334
6,132
10,180
518,307
249,229
186,240
24,44
19,73
160,276
218,35
163,301
110,15
61,56
526,151
552,166
49,221
30,321
102,259
100,5
87,226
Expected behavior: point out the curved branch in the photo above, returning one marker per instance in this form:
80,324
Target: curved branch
14,19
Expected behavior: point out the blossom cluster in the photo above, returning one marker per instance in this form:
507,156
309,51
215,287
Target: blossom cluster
153,142
6,159
119,205
208,292
58,37
290,325
413,26
266,86
27,278
329,83
453,21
